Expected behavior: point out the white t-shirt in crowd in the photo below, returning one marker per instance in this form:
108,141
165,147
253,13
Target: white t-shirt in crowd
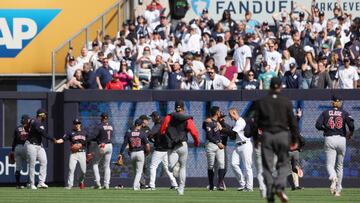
219,52
273,58
240,56
219,83
346,77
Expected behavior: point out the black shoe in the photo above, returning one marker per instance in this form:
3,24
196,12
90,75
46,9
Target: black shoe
174,187
297,188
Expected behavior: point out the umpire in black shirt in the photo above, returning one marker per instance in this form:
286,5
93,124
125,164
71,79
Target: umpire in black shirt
274,117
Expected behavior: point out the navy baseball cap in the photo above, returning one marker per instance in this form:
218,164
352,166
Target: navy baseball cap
205,11
154,114
143,117
104,115
41,111
336,98
179,104
25,117
76,121
275,83
138,122
214,109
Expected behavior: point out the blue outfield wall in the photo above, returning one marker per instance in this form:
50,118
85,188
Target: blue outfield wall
124,106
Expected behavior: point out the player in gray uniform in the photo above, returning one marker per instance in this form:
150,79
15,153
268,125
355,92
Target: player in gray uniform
214,147
35,150
138,142
20,136
103,135
78,155
333,122
176,126
160,154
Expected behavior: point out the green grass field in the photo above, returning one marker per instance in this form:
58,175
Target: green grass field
162,195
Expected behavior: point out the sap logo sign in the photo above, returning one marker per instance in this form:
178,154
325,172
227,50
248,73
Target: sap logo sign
18,27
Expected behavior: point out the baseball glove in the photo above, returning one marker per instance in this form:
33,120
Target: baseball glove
75,147
119,161
11,158
89,157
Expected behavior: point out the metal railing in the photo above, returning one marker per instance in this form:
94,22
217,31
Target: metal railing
119,7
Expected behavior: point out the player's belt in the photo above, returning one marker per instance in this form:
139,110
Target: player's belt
34,143
241,143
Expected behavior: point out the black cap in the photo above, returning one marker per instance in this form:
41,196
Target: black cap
189,71
94,44
336,98
104,115
76,121
138,122
41,111
154,114
346,59
71,58
275,83
205,11
214,110
141,36
25,117
179,104
143,117
301,14
321,13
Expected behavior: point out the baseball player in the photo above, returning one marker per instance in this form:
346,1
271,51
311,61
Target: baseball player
295,169
138,142
176,126
145,176
243,152
20,136
103,136
214,147
35,150
160,154
333,122
78,140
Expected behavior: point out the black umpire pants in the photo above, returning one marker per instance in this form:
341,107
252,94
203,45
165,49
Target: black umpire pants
275,144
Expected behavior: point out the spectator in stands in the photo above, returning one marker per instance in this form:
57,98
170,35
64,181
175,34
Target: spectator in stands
157,44
205,17
286,61
99,61
152,16
194,65
265,77
229,70
89,77
358,69
321,78
227,22
141,27
250,83
308,67
114,65
333,67
175,75
84,57
157,4
164,28
214,81
140,47
157,72
192,82
144,75
292,78
219,51
191,41
251,24
273,57
114,83
242,58
172,55
76,82
125,75
130,58
108,46
347,75
103,74
71,66
296,50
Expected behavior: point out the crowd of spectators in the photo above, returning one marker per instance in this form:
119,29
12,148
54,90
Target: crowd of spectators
304,47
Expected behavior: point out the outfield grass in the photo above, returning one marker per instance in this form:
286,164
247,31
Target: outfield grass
162,195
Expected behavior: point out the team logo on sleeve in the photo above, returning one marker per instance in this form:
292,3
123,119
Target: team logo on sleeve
18,27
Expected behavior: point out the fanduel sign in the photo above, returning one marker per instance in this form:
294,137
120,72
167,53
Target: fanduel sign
18,27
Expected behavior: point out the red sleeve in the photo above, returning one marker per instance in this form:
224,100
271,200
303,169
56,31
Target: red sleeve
193,131
108,86
165,124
